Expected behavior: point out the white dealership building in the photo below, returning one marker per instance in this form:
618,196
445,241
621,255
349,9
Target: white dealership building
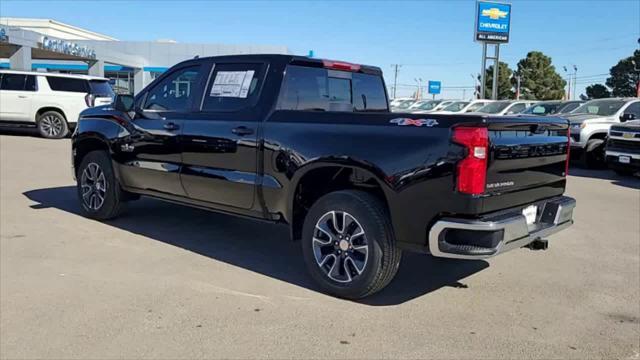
49,45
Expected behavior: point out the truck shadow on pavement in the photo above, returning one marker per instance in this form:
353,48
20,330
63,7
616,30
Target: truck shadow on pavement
257,246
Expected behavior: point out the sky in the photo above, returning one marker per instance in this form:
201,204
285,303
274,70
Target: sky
431,40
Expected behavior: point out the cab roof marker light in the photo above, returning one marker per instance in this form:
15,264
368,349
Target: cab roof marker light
340,65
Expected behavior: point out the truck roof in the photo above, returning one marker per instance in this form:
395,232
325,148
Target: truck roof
289,59
43,73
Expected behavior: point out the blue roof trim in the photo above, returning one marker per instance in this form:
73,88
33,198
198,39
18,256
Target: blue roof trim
155,68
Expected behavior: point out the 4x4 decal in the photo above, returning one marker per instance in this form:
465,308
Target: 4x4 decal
414,122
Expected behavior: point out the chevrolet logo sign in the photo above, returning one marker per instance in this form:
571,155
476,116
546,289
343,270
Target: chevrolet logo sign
627,135
494,13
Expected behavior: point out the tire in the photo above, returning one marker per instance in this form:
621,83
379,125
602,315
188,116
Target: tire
52,125
593,154
99,191
344,267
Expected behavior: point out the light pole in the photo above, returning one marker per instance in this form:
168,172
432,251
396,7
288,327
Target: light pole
575,80
419,93
476,89
571,79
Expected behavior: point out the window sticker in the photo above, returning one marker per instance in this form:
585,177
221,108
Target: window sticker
232,84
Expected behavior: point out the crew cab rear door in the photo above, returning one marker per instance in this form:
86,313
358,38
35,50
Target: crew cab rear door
219,143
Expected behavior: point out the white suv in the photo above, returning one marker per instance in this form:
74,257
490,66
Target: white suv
51,102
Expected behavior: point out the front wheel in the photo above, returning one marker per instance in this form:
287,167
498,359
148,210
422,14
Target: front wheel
593,155
52,125
98,189
348,244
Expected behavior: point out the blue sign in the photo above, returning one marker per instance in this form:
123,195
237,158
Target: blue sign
434,87
493,22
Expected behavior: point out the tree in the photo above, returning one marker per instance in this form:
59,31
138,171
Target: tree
539,79
624,78
504,82
597,91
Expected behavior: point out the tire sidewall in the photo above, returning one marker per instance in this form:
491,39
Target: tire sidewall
65,125
343,201
111,200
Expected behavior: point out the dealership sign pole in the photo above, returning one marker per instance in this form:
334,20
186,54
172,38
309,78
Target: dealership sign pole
493,24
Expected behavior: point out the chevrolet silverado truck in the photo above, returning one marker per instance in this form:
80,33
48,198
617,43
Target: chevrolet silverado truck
312,144
622,152
590,123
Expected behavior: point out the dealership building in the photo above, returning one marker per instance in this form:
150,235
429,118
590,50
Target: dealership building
52,46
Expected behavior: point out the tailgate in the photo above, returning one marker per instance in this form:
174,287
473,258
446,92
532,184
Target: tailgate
526,153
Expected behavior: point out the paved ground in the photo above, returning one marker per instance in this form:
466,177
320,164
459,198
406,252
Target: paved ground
166,281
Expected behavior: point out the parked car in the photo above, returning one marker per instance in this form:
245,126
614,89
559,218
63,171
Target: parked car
590,124
470,106
297,140
622,151
423,105
397,101
504,107
402,105
50,102
441,104
555,107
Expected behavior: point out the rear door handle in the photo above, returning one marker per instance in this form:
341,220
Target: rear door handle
242,131
171,126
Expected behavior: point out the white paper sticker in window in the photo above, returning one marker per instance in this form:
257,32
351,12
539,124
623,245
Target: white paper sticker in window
232,84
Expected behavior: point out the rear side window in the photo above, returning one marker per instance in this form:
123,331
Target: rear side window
101,88
233,87
30,83
13,82
58,83
317,89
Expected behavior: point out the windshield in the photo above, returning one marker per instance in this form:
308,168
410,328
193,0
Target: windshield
494,107
600,107
476,106
455,106
542,109
568,107
427,105
101,88
404,104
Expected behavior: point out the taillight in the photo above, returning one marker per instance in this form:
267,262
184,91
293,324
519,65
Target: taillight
566,164
339,65
472,170
90,100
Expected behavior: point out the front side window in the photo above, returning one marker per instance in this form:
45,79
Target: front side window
476,106
233,87
456,106
516,108
13,82
175,92
600,107
494,107
58,83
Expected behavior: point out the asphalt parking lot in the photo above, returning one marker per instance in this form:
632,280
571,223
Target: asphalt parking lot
166,281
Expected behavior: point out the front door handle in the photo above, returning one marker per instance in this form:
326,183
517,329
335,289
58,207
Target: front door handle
171,126
242,131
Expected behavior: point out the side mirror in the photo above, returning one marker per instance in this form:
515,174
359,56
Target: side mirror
124,103
627,117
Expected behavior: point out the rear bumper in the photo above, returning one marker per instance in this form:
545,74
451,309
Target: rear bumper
499,232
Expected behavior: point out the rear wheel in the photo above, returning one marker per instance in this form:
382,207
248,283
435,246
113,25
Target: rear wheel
348,244
98,189
52,125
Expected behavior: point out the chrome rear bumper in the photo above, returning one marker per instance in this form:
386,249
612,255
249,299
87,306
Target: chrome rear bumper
509,230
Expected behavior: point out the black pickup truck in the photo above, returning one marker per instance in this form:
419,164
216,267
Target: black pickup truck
311,143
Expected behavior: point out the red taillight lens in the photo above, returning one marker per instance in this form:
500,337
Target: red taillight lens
566,165
472,170
338,65
90,100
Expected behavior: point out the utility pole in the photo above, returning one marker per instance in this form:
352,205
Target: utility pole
517,87
395,78
575,79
